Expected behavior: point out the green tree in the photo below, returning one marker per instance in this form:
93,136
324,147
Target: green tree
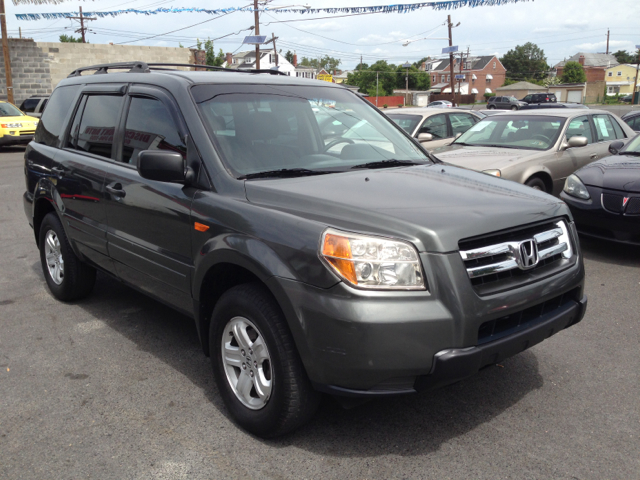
211,58
573,72
70,39
326,62
418,80
525,61
625,57
364,77
289,56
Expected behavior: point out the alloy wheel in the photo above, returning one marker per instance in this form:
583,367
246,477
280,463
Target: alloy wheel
53,255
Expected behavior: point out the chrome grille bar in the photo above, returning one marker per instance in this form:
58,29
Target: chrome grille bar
509,252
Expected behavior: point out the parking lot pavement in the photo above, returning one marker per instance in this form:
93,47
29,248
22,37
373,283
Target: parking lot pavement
116,387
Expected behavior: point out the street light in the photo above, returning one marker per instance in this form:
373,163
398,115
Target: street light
407,42
407,65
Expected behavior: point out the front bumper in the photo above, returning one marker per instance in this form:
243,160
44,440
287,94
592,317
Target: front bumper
6,140
363,343
594,221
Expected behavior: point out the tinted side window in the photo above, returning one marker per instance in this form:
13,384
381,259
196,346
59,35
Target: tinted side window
436,126
617,128
29,105
461,122
44,104
98,124
634,122
51,123
150,126
579,127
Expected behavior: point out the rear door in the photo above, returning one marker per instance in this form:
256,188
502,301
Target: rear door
149,230
606,130
461,122
80,168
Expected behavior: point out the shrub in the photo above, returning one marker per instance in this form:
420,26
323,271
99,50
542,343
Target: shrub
489,95
385,105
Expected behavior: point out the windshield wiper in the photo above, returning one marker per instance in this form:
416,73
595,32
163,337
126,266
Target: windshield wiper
283,173
387,163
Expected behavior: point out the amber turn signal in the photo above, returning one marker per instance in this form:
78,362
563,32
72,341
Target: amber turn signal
201,227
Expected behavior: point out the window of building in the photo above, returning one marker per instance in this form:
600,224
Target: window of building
494,64
613,90
150,126
619,74
610,74
488,81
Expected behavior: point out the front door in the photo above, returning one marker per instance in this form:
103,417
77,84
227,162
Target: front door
437,126
149,230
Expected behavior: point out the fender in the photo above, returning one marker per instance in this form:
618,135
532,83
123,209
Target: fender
532,170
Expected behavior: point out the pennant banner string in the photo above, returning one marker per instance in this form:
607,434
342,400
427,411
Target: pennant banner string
398,8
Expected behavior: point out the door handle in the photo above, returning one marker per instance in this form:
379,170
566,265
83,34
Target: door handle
594,156
58,172
116,190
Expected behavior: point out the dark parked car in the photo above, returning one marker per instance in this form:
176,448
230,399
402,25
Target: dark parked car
505,103
547,106
34,105
626,98
633,120
355,265
540,98
604,196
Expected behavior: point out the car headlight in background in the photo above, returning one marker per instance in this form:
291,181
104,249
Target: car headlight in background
495,173
573,186
372,262
11,125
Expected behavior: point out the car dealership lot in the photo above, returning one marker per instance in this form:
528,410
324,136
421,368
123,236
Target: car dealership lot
116,386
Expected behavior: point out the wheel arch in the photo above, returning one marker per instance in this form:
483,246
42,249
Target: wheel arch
543,175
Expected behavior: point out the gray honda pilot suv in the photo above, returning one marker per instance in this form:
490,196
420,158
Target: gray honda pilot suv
316,245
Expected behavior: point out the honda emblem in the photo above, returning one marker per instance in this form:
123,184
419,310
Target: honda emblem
528,254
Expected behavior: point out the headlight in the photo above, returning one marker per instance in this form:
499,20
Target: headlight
11,125
573,186
492,172
372,262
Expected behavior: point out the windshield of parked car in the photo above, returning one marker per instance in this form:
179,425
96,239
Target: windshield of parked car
8,110
407,122
511,131
633,147
300,129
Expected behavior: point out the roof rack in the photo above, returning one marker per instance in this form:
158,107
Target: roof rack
143,67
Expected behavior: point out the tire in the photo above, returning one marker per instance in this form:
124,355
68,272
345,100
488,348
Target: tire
491,107
514,108
537,184
67,277
287,399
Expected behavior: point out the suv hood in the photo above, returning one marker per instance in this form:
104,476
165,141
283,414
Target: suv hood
619,172
483,158
432,206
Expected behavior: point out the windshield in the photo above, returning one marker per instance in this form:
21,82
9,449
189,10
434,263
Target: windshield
269,128
406,122
8,110
633,147
509,131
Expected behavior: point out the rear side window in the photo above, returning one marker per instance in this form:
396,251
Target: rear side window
634,122
150,126
617,128
52,121
461,122
94,125
604,128
29,105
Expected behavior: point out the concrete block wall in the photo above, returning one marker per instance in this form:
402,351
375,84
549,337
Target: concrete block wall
29,70
66,57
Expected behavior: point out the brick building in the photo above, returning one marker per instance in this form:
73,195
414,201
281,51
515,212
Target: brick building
482,74
595,65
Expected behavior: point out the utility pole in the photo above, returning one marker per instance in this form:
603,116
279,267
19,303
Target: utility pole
256,30
607,41
635,85
460,80
360,62
451,58
5,51
82,28
273,39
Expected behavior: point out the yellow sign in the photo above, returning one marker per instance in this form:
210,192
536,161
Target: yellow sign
325,77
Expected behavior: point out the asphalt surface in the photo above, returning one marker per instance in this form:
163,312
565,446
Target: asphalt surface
116,387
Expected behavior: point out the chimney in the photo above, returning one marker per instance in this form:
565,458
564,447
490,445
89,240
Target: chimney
295,60
424,66
229,59
200,57
581,60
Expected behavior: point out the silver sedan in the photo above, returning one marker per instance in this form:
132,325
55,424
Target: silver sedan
537,148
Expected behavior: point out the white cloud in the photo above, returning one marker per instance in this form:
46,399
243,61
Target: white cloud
614,45
312,42
328,27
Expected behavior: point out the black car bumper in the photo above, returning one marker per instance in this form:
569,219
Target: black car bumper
593,220
6,140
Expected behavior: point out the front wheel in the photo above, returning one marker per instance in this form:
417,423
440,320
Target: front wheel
66,275
256,365
491,107
536,183
514,108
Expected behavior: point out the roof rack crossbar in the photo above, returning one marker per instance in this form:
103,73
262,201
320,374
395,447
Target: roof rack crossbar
143,67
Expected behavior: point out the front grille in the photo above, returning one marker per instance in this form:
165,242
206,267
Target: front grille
612,202
29,132
510,324
498,262
633,207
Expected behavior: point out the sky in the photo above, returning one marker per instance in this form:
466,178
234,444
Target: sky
560,27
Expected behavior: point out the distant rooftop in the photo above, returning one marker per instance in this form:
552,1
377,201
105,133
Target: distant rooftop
592,60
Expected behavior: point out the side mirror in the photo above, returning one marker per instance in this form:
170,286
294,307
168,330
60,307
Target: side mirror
615,147
574,142
162,166
425,137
